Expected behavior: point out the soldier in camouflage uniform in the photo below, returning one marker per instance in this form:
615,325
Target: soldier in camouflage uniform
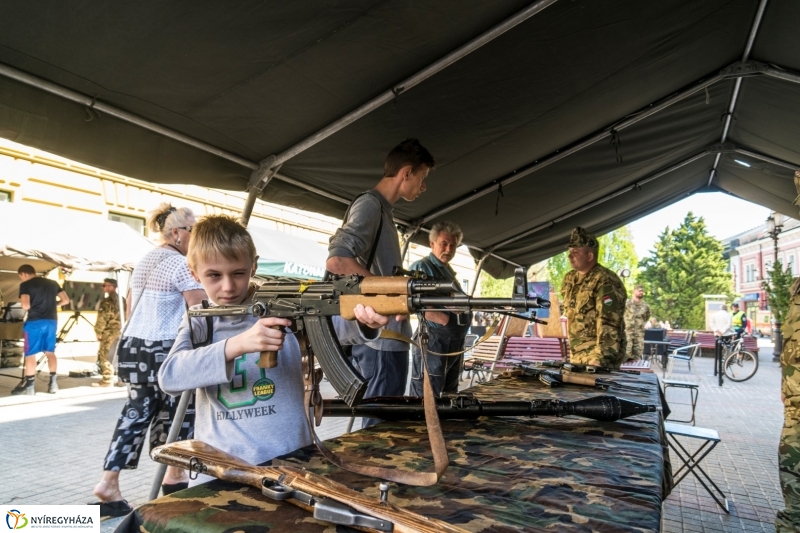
594,301
789,447
107,328
637,313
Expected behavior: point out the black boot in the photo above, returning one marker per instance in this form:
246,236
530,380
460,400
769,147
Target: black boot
53,388
26,386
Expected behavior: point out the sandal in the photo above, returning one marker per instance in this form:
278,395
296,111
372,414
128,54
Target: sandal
169,488
113,509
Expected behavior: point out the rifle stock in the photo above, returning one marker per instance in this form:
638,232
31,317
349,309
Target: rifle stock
299,487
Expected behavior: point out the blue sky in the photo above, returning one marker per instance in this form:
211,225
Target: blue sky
725,216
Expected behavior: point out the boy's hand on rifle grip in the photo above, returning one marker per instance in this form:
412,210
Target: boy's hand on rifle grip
369,317
260,338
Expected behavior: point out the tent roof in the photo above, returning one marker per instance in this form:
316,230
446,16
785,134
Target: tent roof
554,123
72,240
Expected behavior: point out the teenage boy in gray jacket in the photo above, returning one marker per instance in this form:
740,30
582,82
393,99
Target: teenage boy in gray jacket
367,244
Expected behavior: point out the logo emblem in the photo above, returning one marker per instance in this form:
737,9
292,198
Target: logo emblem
15,519
264,389
607,300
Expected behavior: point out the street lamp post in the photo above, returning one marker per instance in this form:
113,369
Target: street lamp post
774,227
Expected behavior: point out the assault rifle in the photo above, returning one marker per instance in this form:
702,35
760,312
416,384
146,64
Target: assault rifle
553,378
312,304
328,500
466,407
573,367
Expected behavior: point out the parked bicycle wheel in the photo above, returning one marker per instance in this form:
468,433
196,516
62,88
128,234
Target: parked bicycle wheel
740,366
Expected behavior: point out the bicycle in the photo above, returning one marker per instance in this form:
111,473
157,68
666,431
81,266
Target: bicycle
739,364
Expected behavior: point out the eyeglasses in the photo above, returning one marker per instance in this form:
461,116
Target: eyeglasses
187,228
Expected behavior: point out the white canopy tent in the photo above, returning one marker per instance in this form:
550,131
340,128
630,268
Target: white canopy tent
284,255
32,234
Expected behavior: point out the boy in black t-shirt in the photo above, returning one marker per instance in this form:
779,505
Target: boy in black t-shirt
39,297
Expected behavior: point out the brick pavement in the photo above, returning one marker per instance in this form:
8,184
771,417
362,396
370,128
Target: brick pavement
56,444
748,417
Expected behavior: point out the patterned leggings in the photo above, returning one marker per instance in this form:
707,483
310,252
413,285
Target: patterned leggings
147,406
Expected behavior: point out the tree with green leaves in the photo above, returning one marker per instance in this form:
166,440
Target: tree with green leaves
616,252
777,289
685,264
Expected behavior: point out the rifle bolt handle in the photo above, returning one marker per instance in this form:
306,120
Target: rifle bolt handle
384,488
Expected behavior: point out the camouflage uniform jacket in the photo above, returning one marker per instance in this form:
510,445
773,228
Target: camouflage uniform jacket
636,315
790,357
108,323
594,305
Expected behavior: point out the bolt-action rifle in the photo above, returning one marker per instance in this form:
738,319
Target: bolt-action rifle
328,500
466,407
554,378
311,305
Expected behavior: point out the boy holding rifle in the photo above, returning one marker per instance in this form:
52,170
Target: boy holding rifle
252,412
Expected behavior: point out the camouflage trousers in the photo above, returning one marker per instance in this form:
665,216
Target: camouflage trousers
103,358
788,520
635,347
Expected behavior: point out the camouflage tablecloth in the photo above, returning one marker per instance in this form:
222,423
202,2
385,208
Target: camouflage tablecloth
506,474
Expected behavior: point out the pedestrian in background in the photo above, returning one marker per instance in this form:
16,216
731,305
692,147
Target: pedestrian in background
107,328
637,313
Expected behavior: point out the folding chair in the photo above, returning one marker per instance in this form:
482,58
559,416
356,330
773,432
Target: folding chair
684,353
691,461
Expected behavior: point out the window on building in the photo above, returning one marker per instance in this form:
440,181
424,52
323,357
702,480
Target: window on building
790,263
136,223
6,196
465,285
750,272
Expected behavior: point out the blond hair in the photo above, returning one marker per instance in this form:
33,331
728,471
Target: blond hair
447,227
220,235
163,218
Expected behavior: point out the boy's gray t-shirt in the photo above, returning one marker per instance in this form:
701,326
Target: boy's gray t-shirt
253,413
355,239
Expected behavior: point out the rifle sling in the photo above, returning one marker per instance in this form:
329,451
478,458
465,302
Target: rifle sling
396,336
313,401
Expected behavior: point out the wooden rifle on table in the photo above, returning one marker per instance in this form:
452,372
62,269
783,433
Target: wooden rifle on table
329,501
554,378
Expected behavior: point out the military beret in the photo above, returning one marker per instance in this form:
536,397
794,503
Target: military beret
580,238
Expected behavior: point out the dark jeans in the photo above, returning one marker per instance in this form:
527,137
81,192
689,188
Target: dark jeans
444,371
386,373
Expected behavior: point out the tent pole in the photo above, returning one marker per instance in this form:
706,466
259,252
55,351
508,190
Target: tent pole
762,157
477,274
258,180
605,133
415,79
735,96
602,200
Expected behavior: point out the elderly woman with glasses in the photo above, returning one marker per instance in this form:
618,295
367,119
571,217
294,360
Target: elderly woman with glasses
160,289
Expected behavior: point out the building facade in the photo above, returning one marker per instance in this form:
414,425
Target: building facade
31,176
751,255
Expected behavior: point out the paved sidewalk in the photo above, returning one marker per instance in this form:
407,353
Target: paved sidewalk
55,445
748,417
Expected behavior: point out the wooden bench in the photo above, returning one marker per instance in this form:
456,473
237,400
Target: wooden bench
484,357
707,342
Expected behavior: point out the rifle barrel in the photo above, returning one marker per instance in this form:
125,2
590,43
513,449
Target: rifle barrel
603,408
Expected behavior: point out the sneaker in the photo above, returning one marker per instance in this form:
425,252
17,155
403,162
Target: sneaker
102,384
53,388
25,387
